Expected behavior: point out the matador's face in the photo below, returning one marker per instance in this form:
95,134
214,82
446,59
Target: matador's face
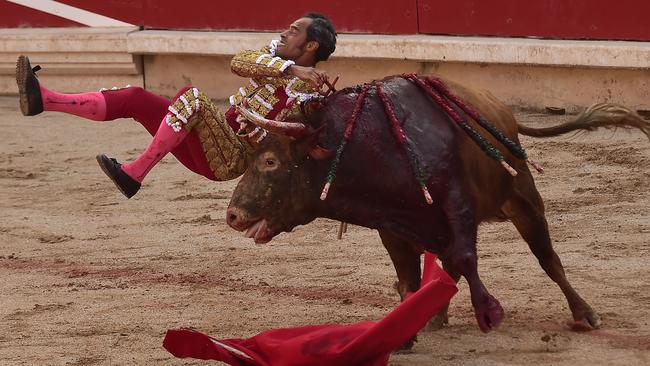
293,40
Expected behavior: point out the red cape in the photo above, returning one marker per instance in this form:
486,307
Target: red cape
361,344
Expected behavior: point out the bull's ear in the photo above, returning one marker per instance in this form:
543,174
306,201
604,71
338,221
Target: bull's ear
311,106
309,145
320,153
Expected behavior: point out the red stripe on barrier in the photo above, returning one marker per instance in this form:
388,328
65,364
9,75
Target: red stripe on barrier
360,16
127,11
574,19
18,16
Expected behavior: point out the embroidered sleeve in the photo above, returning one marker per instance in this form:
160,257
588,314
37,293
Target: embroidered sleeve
300,91
259,63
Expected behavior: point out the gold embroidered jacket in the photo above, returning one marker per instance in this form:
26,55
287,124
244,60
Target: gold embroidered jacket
266,73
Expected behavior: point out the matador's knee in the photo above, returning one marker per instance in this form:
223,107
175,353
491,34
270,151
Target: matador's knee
224,152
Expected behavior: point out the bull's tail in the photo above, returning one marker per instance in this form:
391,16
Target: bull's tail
606,115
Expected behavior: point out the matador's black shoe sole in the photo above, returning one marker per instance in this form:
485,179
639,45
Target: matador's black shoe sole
29,90
127,185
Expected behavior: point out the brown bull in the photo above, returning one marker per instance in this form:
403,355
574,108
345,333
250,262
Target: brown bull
376,188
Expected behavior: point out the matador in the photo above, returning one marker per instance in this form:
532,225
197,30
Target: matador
207,141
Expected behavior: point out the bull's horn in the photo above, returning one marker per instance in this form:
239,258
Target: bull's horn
294,129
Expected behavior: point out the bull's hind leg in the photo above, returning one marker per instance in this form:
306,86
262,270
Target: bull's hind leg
526,211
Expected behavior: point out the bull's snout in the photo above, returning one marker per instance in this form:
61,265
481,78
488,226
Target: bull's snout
236,218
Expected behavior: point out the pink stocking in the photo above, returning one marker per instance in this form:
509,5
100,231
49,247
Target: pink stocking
87,105
163,142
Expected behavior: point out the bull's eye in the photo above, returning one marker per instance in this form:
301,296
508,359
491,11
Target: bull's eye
268,161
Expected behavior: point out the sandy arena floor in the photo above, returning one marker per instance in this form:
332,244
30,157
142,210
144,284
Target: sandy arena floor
91,278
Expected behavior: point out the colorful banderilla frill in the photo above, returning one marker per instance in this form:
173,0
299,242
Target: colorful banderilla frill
404,142
512,146
225,153
484,144
346,137
441,95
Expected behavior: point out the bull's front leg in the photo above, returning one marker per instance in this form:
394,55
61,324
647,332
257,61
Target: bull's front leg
461,254
406,257
442,318
406,260
487,309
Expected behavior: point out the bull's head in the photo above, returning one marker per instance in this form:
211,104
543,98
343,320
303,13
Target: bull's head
279,187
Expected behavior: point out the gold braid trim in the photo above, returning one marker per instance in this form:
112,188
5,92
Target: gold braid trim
226,155
249,63
251,69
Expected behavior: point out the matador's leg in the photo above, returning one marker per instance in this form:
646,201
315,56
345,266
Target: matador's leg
106,105
130,102
191,116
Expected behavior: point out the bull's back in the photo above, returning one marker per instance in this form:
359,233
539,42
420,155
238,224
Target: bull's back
487,174
376,168
485,178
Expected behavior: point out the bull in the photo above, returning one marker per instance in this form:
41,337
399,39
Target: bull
375,188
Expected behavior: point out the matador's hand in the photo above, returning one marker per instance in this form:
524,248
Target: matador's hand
308,74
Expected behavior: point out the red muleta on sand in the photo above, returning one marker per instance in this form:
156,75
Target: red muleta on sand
362,344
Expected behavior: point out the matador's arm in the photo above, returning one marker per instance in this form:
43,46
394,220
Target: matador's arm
261,63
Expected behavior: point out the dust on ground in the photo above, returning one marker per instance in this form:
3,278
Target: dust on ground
91,278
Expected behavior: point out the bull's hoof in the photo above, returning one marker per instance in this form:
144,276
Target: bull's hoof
437,322
490,315
589,321
407,347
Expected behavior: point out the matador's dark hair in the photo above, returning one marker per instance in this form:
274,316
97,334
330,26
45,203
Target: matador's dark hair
322,31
